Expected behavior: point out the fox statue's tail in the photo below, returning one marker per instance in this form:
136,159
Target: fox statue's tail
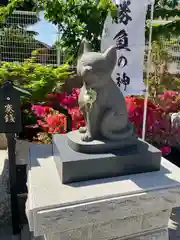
123,128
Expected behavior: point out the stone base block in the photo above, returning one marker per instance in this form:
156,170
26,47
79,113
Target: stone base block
98,146
75,166
160,234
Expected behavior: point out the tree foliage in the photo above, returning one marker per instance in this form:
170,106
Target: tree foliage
77,19
7,8
165,10
160,78
81,18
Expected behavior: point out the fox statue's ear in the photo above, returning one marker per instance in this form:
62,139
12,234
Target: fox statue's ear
111,56
84,47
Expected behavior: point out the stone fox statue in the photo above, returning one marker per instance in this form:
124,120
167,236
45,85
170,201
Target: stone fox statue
106,118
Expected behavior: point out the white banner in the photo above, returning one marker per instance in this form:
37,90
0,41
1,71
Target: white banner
128,34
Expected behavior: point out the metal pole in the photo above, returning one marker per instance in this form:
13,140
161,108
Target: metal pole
58,48
148,73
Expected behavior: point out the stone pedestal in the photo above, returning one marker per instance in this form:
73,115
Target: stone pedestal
77,167
134,207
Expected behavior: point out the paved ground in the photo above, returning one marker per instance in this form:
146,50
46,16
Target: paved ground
174,229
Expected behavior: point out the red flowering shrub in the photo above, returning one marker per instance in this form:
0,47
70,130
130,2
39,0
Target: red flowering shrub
65,99
158,127
77,118
135,107
159,130
157,123
51,121
41,111
169,101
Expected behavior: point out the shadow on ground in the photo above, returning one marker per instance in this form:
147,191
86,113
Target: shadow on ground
174,225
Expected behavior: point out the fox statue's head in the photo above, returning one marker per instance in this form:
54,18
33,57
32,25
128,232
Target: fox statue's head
94,67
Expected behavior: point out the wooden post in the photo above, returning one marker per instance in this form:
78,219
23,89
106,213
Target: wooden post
16,228
10,123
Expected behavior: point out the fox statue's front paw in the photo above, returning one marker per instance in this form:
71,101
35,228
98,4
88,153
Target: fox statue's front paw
86,137
82,129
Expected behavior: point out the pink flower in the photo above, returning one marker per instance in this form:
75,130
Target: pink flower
165,150
158,129
169,101
39,110
65,99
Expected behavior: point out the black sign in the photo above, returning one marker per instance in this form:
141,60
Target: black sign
10,108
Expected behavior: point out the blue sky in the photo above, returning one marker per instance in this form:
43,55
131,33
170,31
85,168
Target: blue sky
47,31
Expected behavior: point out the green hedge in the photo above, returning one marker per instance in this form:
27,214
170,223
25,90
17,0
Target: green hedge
38,79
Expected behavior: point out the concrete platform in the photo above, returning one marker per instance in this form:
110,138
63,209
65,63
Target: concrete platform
142,202
174,227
